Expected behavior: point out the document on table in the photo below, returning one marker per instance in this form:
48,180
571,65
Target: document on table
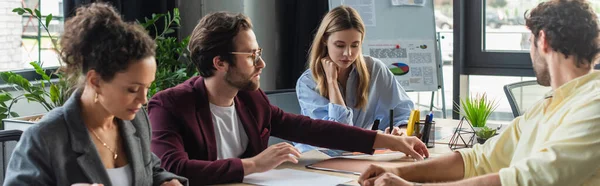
289,177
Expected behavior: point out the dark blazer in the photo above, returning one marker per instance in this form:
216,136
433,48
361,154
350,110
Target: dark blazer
58,150
184,139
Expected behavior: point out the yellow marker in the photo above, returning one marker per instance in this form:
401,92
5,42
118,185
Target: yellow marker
412,119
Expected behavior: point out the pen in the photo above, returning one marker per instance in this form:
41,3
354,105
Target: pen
430,116
425,133
427,129
391,120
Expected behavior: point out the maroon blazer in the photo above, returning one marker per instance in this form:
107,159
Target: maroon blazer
183,134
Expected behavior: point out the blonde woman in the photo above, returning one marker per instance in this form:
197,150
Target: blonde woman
344,86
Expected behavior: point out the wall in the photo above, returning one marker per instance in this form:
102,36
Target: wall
264,19
10,35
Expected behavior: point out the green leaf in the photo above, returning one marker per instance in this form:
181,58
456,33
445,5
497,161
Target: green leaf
54,93
4,97
19,11
168,31
19,81
3,116
3,110
48,19
29,10
478,109
5,75
14,114
38,14
39,70
176,20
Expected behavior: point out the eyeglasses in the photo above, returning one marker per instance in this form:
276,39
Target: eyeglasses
256,55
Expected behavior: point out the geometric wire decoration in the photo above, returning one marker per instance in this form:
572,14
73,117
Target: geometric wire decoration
462,137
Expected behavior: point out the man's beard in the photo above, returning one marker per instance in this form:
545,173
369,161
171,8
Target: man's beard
240,81
540,67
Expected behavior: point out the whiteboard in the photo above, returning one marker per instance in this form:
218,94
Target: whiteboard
403,37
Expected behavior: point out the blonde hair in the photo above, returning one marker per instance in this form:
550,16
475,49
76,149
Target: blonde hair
338,19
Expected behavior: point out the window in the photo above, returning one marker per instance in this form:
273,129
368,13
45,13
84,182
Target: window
497,50
505,28
24,40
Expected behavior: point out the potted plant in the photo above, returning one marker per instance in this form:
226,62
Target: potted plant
477,110
48,93
172,58
173,67
484,134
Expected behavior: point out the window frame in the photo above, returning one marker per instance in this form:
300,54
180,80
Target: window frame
478,61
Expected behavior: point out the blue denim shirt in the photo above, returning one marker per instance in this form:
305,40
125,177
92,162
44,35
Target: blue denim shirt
385,93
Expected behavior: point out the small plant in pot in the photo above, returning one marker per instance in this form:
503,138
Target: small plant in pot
477,110
484,134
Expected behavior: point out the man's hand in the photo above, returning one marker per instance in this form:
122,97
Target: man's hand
374,172
173,182
389,179
270,158
411,146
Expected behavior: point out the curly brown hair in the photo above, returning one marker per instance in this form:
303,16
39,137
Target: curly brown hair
97,38
213,36
571,28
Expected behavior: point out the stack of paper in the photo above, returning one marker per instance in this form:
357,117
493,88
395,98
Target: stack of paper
290,177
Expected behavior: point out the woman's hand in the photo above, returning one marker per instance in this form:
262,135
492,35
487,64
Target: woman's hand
396,132
331,69
411,146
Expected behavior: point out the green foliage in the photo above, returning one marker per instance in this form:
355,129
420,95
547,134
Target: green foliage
173,66
485,133
173,63
477,109
50,98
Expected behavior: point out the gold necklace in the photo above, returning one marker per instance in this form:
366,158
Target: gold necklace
105,145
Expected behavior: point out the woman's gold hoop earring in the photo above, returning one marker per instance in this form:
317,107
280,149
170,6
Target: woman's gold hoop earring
96,98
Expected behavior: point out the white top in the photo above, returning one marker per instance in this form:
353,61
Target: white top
120,176
229,133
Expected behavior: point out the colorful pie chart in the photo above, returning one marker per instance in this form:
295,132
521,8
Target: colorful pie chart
399,69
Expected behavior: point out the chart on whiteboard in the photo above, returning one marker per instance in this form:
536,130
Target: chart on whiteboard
412,62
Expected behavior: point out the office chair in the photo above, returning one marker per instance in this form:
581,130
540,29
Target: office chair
516,91
287,100
8,136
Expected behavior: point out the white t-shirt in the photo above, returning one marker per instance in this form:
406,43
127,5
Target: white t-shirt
120,176
229,133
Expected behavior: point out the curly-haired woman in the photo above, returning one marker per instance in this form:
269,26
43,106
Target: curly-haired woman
101,135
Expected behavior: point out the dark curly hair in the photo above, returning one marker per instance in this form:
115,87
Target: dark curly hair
571,28
213,36
97,38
